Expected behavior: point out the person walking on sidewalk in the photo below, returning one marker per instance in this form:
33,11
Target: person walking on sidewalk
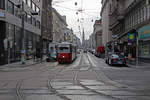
37,54
34,55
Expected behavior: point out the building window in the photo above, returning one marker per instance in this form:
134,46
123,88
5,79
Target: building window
16,11
33,21
10,7
25,16
29,19
29,3
38,24
33,6
37,9
25,1
110,8
2,4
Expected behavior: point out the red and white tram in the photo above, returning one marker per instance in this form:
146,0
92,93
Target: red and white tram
66,52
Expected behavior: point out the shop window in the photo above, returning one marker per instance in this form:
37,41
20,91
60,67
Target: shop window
18,38
10,7
144,51
2,4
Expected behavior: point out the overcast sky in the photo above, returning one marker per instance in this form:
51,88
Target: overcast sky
91,11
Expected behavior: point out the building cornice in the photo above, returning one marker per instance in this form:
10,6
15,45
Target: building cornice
59,16
103,6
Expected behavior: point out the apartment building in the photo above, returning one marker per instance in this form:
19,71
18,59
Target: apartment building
11,25
130,24
46,24
97,33
107,34
59,27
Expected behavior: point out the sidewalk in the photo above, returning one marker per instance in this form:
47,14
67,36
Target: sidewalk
132,63
20,65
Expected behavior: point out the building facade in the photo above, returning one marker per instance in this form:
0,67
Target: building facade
97,33
46,24
59,27
11,28
91,40
130,24
107,35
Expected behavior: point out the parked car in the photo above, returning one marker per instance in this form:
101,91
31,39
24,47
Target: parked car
85,51
115,59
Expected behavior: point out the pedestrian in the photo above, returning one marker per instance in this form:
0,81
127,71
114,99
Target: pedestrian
37,54
41,55
34,55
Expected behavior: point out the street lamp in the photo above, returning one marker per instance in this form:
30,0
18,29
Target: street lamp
137,49
22,36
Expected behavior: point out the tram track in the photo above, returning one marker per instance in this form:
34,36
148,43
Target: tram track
106,80
53,90
78,82
19,94
18,90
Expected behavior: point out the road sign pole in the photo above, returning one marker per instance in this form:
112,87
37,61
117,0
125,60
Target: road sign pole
137,49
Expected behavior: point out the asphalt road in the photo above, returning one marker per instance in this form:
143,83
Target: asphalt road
87,78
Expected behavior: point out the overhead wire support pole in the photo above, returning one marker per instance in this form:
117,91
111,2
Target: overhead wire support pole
22,35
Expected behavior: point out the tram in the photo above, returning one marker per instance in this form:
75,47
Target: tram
66,52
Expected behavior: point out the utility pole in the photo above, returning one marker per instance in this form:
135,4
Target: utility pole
137,49
22,37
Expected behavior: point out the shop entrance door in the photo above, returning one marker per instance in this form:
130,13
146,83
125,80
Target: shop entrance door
2,37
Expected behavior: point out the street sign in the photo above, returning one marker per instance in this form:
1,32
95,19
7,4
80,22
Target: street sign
131,37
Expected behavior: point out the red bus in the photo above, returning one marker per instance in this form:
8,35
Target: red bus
66,52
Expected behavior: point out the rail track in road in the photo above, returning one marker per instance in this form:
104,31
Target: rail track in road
50,87
77,81
102,77
19,91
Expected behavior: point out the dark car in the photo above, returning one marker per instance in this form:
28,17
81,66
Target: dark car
85,51
115,59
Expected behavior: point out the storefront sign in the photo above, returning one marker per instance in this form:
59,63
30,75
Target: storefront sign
131,37
144,32
2,15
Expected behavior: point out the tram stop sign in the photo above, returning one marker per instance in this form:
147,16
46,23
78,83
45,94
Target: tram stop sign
131,37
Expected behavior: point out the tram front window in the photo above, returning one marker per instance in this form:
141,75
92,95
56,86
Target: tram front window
64,49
